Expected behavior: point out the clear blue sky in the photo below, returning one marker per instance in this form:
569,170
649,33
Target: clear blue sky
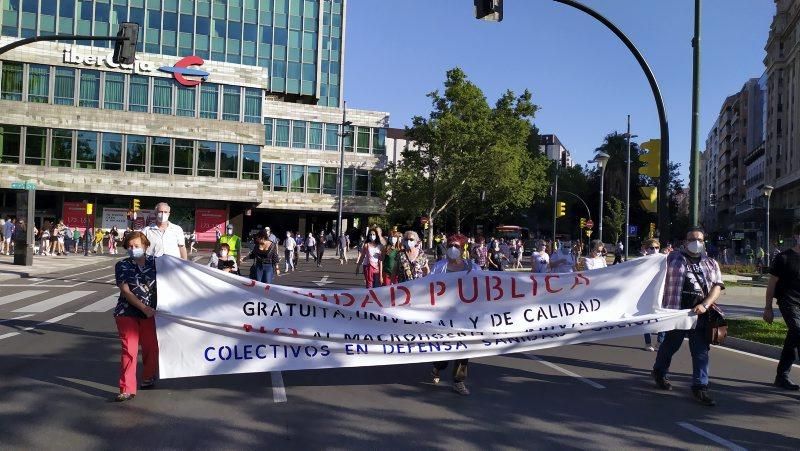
580,74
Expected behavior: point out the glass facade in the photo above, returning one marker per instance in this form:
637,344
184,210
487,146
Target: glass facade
290,38
298,134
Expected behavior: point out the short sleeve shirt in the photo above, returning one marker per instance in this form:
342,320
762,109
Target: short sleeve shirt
412,269
540,261
165,242
786,267
142,283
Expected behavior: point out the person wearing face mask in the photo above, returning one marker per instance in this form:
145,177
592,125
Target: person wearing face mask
480,253
134,315
289,247
311,246
563,261
693,281
496,259
370,259
595,260
320,248
784,285
388,264
265,259
651,246
454,262
225,262
412,261
233,241
540,259
165,237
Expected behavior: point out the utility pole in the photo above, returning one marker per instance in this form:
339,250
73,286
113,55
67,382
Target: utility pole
555,200
694,162
342,135
628,188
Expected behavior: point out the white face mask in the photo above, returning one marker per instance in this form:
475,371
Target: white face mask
453,253
410,244
372,237
393,240
223,253
695,247
162,217
230,231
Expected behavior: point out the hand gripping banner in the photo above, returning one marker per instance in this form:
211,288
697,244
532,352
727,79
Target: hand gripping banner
211,322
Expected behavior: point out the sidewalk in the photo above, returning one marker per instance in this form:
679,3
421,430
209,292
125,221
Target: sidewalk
43,264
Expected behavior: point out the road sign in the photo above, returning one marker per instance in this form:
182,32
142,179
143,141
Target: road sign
23,185
589,224
633,230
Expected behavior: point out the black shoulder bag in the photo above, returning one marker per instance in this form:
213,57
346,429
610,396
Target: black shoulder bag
715,324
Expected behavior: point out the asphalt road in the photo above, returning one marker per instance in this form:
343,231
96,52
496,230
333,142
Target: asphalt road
59,356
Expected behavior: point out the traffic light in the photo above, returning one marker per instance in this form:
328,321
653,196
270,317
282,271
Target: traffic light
583,223
651,159
136,205
125,51
491,10
561,209
89,208
650,201
652,232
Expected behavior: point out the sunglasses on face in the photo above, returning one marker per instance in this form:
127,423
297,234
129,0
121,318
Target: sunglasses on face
653,248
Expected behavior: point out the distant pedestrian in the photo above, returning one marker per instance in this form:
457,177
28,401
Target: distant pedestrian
193,242
563,260
44,239
480,253
311,247
76,239
389,268
232,240
496,259
539,258
112,240
784,285
8,233
224,261
693,281
289,247
320,248
618,251
344,244
370,260
725,256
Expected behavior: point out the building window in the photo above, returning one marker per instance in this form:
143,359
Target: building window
348,138
38,83
186,101
363,140
252,105
282,132
12,81
207,159
159,156
86,150
347,182
379,140
137,97
64,87
135,153
268,131
376,183
35,146
230,103
209,101
314,179
251,158
61,148
114,93
331,137
112,152
90,89
362,182
279,177
330,180
315,135
266,176
228,160
10,143
299,134
298,178
162,96
184,157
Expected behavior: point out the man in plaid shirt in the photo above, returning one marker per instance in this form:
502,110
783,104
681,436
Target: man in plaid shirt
694,281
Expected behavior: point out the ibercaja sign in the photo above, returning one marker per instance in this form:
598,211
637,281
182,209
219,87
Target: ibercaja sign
183,68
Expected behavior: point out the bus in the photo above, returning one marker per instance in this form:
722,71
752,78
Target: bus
515,232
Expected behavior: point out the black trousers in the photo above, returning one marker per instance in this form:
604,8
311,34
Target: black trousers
459,369
320,251
791,344
310,251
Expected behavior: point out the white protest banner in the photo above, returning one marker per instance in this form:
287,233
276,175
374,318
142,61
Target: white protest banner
115,217
210,322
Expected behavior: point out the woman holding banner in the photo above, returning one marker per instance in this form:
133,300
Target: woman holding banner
412,260
454,263
134,315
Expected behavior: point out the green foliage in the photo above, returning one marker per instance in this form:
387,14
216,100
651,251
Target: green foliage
758,330
614,221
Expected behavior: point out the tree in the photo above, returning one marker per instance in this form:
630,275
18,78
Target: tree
614,221
466,150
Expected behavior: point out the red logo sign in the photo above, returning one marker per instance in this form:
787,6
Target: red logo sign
181,70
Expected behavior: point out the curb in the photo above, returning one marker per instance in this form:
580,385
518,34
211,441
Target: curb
753,347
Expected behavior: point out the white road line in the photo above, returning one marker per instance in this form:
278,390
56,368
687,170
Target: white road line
43,323
48,304
750,354
278,389
14,319
714,438
70,276
20,296
102,305
565,371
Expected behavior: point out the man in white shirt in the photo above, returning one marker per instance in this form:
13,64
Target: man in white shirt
539,258
311,246
165,237
289,246
563,261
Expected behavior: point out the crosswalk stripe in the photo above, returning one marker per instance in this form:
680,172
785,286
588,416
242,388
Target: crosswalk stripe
20,296
16,319
43,323
48,304
102,305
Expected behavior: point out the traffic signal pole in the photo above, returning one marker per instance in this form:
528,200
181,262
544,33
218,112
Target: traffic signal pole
555,202
694,162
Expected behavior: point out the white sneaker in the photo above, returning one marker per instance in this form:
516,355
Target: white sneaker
650,348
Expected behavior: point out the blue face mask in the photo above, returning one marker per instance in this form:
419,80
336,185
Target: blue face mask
135,252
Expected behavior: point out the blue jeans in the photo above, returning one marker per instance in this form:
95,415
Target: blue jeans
648,340
698,345
262,273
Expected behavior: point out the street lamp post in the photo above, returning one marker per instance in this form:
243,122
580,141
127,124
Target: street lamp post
342,135
601,159
628,137
555,199
767,191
